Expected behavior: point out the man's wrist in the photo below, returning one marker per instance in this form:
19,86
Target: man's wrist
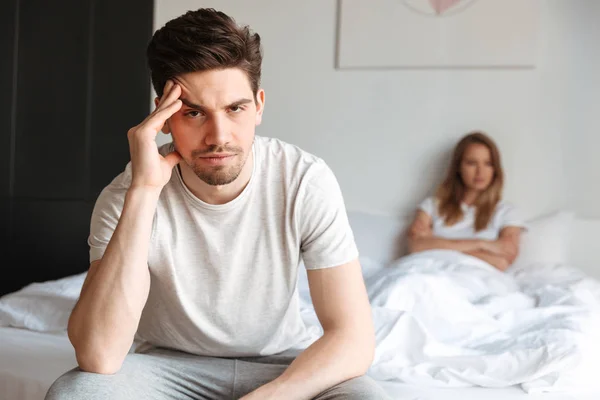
271,390
144,192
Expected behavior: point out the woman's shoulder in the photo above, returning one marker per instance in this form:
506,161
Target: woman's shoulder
429,205
504,206
508,214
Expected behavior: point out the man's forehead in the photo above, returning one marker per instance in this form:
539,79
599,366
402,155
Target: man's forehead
214,89
200,105
215,81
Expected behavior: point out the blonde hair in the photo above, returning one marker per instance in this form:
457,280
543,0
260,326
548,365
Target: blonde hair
452,190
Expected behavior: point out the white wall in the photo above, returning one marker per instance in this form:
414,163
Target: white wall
387,133
581,136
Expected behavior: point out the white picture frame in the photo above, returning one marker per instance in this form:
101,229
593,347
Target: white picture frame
437,33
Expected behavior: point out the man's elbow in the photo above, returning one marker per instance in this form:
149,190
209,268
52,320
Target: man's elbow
94,358
97,363
362,361
364,352
368,355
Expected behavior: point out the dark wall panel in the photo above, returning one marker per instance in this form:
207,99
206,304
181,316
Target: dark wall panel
8,30
51,101
50,240
72,82
127,83
6,252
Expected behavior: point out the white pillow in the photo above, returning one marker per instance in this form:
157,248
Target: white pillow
547,239
44,306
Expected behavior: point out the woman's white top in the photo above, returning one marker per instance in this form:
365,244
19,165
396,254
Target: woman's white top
504,216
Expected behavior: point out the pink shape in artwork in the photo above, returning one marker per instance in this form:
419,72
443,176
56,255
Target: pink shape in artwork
441,6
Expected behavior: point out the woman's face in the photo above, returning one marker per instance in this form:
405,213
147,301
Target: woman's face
477,168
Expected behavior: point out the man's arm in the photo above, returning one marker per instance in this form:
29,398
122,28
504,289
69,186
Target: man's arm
347,347
103,323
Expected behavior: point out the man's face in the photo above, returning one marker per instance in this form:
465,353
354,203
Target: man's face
214,129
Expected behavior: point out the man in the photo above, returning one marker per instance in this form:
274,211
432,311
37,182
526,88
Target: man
195,247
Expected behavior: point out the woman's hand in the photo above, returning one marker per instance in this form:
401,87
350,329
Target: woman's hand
499,262
507,245
496,247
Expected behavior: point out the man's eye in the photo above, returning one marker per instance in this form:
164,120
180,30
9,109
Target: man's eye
235,109
193,114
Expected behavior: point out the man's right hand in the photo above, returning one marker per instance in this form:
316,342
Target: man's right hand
150,169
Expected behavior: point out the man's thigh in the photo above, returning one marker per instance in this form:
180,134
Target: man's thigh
361,388
158,374
252,373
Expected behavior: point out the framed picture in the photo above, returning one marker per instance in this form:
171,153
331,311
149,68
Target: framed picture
437,33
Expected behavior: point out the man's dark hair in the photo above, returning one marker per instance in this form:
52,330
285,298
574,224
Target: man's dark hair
203,40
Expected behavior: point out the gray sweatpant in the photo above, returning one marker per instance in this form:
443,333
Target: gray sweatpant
168,374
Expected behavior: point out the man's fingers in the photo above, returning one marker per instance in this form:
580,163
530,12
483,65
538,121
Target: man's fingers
169,105
166,90
158,119
169,98
155,121
167,111
173,158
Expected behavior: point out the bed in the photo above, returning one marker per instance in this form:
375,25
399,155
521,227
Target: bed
31,361
34,348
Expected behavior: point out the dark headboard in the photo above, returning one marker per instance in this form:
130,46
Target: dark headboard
72,82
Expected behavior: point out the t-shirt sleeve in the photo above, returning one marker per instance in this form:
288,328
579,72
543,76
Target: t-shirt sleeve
511,216
107,212
428,206
327,239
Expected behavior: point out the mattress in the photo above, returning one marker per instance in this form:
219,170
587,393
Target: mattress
399,391
30,361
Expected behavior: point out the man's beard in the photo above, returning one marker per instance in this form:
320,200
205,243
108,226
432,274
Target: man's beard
221,174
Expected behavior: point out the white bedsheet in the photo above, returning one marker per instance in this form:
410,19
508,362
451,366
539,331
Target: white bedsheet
445,319
399,391
30,361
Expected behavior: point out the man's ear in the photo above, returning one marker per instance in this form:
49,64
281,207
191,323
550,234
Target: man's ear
165,129
260,105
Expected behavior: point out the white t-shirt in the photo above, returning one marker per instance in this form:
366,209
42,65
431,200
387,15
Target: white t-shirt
505,215
223,277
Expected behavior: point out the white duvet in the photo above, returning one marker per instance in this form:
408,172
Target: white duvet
446,319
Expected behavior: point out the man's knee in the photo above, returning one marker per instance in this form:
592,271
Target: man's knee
136,379
361,388
77,384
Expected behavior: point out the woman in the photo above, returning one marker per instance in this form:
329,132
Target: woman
467,213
